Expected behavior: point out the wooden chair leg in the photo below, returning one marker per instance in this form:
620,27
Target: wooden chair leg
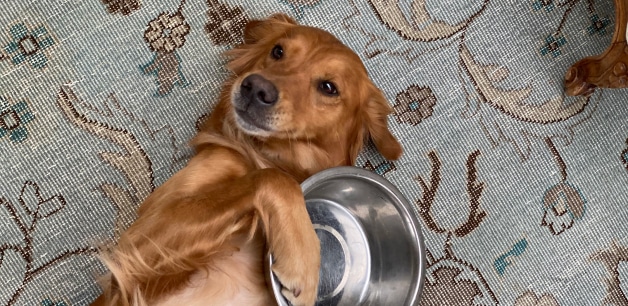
607,70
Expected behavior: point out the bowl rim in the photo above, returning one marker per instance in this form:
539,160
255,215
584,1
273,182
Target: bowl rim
409,214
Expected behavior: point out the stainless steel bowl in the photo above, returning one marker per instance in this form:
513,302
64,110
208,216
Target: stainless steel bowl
372,251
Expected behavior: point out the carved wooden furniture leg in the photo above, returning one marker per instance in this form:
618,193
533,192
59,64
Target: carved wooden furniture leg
609,69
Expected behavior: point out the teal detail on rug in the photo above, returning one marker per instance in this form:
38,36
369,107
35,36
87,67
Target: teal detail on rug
28,45
563,205
598,25
383,168
567,198
14,119
553,44
298,6
166,68
502,262
538,5
49,302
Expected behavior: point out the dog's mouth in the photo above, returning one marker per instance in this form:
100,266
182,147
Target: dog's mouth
250,124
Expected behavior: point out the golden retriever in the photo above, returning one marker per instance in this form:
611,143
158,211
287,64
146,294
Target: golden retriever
298,102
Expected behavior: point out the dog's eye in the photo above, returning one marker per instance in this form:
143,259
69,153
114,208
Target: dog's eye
328,88
277,52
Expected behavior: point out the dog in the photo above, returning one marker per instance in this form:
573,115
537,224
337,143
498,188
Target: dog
298,102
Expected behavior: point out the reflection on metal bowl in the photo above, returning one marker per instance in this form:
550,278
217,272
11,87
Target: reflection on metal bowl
372,251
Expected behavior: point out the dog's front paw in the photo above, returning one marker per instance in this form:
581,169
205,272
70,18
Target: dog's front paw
299,279
297,261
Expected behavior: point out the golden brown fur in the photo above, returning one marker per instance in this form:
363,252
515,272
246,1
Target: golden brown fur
201,237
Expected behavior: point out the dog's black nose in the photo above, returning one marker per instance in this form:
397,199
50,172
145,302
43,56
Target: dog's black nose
257,89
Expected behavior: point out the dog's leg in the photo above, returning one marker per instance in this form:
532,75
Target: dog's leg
290,235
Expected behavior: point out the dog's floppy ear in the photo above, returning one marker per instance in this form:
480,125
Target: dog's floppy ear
254,30
243,56
376,111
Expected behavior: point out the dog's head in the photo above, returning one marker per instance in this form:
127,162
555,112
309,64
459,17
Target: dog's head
298,89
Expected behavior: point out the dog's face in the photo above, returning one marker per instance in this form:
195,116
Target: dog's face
303,85
300,84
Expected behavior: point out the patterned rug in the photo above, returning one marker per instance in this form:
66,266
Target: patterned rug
522,192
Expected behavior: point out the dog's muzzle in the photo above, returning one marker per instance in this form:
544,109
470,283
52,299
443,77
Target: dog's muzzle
254,103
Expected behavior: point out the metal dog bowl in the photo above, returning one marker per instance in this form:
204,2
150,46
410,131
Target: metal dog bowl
372,251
